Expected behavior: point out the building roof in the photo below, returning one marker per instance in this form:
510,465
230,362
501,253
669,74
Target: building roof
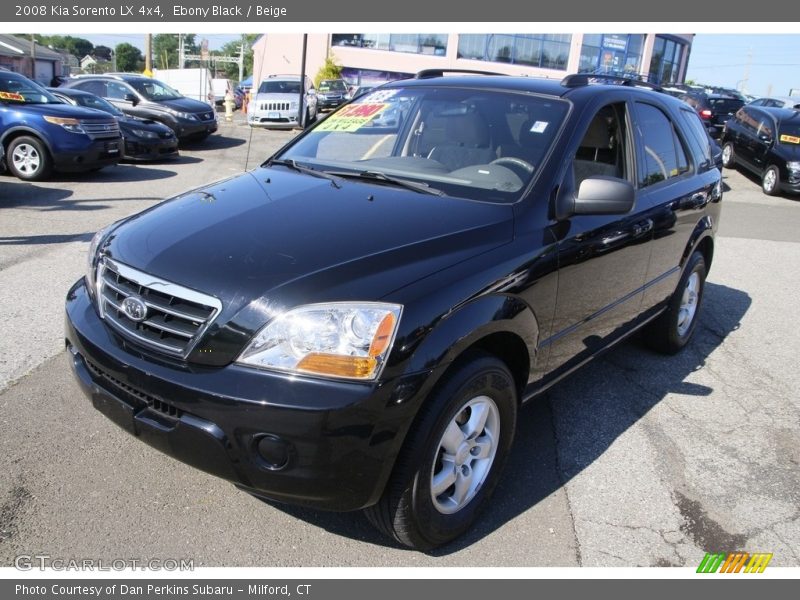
11,45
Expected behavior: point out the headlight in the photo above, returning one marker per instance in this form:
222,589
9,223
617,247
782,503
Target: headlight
143,133
340,339
72,125
91,257
793,165
294,105
183,115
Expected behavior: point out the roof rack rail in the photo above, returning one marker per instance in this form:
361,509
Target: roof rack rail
581,79
429,73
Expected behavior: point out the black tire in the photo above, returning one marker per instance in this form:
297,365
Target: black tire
408,510
727,151
669,333
27,158
306,119
771,181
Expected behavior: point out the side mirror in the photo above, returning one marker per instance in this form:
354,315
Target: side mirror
602,195
765,137
131,98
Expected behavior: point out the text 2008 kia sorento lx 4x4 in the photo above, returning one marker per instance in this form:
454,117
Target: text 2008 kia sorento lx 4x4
354,324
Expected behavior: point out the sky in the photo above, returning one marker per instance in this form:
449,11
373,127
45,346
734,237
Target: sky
774,62
716,59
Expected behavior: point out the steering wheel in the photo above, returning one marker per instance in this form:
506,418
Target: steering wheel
512,161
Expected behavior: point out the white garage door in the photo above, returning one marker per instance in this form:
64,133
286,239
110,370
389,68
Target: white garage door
44,71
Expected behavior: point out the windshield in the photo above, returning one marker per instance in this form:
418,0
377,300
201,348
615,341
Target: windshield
152,89
279,86
476,144
789,133
332,85
16,88
99,104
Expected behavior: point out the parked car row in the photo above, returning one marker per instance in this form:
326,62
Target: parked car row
94,121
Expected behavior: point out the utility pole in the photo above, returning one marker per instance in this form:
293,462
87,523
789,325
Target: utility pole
747,69
148,54
180,51
241,61
301,112
33,58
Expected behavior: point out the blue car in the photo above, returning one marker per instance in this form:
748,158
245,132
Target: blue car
40,134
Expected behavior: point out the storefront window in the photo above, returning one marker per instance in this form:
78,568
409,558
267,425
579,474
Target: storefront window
666,62
416,43
548,51
613,53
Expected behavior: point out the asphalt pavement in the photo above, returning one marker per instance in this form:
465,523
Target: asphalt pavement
638,459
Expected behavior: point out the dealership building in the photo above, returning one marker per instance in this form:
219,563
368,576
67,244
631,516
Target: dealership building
370,58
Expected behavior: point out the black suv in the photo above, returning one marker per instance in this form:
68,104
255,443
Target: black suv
355,324
765,141
713,109
147,98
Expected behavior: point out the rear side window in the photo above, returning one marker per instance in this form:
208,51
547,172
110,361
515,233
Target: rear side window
664,154
725,105
98,88
698,132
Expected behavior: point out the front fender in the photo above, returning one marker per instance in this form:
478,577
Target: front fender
466,325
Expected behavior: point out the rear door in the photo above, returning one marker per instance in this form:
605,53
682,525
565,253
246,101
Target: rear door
677,179
764,140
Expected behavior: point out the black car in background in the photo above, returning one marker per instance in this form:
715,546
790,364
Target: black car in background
765,141
147,98
355,324
332,93
713,109
144,139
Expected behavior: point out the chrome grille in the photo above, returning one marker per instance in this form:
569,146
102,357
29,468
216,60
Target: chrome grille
101,130
274,106
175,319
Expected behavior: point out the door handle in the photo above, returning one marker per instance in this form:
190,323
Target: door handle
695,201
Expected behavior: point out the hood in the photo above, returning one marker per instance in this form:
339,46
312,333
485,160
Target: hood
277,98
61,110
185,105
146,124
789,152
272,239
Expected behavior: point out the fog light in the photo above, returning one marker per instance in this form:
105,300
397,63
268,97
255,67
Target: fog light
273,451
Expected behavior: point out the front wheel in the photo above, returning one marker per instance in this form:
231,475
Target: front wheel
452,458
673,329
28,159
771,181
728,156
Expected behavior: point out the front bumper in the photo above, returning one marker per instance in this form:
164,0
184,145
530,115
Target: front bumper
325,444
185,128
283,118
97,153
150,149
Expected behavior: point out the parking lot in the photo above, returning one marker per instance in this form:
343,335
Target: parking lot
637,460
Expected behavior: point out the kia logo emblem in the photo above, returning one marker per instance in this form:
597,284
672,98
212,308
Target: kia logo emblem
134,308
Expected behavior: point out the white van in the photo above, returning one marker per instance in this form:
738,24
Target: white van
221,88
192,83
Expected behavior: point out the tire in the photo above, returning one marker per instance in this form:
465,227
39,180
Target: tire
410,511
306,119
673,329
28,158
771,181
728,156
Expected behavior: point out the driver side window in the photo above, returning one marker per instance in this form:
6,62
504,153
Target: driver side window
116,91
603,148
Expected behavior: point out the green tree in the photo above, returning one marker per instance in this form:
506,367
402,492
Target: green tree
165,49
103,52
330,69
129,58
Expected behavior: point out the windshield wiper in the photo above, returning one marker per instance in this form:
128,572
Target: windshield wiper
422,188
292,164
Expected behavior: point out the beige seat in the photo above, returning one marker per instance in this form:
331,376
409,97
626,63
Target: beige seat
467,142
597,155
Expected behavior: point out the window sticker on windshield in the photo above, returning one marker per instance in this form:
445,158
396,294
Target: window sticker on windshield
790,139
380,95
539,126
352,117
12,96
